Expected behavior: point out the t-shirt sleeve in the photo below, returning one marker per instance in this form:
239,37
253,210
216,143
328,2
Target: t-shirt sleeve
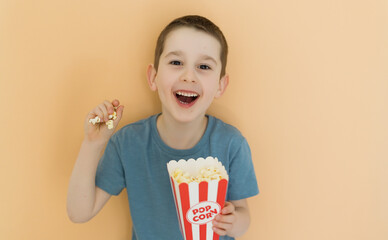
110,173
242,177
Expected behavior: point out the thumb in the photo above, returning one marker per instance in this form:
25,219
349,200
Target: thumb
119,112
228,208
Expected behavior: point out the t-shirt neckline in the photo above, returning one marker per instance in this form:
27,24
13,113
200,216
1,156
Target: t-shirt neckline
180,152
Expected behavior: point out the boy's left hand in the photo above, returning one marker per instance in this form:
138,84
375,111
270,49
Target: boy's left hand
223,222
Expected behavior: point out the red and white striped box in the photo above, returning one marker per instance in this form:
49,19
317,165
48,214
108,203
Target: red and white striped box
197,204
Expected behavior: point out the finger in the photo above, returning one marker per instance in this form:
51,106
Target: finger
91,115
97,111
222,226
228,208
219,231
119,112
115,103
109,107
103,109
230,218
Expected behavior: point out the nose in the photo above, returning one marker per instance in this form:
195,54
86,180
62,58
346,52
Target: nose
189,76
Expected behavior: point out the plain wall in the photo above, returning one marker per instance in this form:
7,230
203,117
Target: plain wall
308,89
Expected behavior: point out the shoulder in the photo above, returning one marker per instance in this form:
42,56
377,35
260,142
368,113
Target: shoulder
224,130
226,136
136,129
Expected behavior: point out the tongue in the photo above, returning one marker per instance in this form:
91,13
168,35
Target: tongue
186,99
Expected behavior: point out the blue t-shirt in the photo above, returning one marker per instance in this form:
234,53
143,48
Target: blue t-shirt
136,158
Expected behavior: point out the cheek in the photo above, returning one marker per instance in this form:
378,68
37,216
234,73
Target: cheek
211,90
163,85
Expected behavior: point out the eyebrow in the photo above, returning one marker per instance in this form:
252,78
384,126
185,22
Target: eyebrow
206,57
180,53
176,53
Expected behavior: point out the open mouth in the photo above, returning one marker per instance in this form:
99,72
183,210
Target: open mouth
186,98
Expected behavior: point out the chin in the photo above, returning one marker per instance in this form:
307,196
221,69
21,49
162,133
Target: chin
183,117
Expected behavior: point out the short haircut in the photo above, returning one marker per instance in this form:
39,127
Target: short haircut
199,23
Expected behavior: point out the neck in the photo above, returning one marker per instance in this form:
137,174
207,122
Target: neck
180,135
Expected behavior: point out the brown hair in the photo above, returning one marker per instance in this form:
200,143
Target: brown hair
199,23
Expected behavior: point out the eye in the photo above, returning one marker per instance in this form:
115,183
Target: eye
204,67
175,62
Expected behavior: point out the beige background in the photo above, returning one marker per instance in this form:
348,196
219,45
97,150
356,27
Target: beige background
309,84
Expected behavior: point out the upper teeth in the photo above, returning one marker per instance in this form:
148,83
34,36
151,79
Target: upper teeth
187,94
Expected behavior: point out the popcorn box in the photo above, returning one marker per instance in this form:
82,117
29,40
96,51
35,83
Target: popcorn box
198,201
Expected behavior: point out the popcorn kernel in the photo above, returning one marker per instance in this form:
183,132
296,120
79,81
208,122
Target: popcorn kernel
205,174
109,123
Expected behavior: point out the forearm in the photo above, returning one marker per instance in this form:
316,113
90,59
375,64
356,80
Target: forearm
242,222
82,189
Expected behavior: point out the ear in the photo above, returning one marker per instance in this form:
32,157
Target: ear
223,84
151,76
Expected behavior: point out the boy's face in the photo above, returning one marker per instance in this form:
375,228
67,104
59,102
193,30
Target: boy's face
188,76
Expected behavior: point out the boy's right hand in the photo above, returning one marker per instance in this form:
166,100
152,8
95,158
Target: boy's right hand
100,132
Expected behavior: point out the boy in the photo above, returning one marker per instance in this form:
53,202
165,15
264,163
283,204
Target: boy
188,73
